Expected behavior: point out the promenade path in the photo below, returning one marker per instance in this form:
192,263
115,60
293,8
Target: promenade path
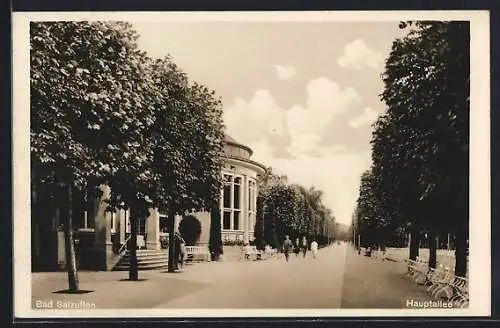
339,277
373,283
299,283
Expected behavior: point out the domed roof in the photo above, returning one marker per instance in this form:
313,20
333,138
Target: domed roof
231,141
228,138
241,153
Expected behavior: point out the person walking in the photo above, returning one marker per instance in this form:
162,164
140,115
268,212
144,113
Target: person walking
182,253
287,247
314,248
304,246
179,251
296,248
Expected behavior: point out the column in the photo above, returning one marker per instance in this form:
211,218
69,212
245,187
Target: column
153,229
121,224
178,219
102,219
127,221
244,210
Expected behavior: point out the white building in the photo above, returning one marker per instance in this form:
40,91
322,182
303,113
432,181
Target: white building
101,235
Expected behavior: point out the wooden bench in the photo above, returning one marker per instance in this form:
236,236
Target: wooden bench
441,282
248,252
270,252
197,253
141,243
460,295
417,270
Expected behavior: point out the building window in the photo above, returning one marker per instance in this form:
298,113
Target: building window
236,221
232,199
141,226
112,219
226,224
228,181
251,195
237,193
252,199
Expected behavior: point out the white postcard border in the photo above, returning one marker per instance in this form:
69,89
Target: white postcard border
480,234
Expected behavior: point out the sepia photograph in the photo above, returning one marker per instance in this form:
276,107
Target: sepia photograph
251,164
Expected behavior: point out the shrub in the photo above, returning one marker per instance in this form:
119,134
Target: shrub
190,229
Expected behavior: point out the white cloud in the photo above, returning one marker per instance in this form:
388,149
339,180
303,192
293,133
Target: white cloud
337,174
254,120
285,72
332,169
357,55
325,100
309,145
260,117
369,116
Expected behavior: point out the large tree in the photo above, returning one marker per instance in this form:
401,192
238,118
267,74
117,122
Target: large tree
103,113
266,206
420,146
292,209
85,85
259,225
187,144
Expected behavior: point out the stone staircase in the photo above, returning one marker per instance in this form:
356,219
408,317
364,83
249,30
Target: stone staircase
147,259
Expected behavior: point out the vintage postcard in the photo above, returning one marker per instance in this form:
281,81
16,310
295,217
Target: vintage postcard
255,164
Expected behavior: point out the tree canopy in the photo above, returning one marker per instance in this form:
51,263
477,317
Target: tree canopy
419,175
291,209
103,110
104,113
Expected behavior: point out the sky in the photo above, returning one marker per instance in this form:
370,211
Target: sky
302,95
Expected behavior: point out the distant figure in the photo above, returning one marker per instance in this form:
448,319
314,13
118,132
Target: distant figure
304,246
246,250
314,248
182,253
287,247
296,248
179,251
368,251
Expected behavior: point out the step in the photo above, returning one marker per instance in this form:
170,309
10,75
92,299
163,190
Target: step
147,252
140,268
150,256
147,259
144,262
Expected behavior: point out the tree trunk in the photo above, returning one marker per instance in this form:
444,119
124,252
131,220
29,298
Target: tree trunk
414,243
70,245
172,260
133,273
461,254
35,246
432,249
